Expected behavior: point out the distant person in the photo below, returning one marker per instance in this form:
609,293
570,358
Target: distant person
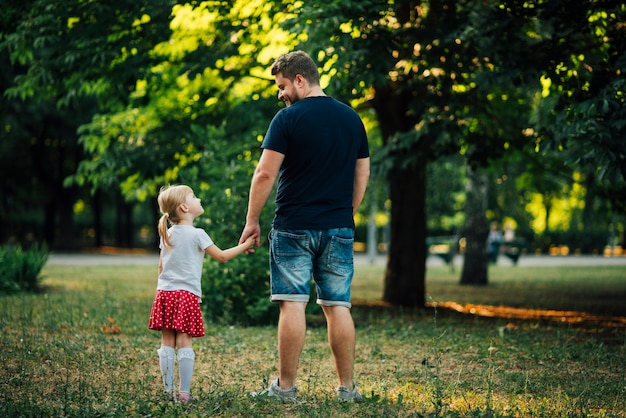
509,233
511,247
317,149
494,241
176,307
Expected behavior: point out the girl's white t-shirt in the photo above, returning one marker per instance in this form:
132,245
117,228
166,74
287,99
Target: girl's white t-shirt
182,263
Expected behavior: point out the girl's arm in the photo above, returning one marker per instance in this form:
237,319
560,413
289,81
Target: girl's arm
224,255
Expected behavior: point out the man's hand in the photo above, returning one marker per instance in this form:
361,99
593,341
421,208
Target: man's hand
251,230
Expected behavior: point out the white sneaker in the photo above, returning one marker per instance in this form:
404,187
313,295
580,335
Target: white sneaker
349,395
275,391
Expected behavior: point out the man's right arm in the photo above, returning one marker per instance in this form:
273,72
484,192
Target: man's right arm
261,187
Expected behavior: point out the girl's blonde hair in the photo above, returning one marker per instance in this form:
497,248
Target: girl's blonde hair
170,198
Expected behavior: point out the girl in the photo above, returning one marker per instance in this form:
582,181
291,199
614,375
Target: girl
176,307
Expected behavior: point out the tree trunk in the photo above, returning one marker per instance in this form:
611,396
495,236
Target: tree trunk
547,199
406,263
156,215
124,223
49,223
405,276
65,235
97,218
372,240
475,265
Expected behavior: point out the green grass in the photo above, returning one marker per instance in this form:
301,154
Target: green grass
59,360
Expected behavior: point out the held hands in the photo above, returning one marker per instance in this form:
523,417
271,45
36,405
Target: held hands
251,232
250,242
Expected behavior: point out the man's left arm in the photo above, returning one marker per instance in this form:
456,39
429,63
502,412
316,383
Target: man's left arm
361,177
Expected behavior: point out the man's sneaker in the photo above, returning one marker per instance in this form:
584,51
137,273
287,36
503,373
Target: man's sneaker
349,395
275,391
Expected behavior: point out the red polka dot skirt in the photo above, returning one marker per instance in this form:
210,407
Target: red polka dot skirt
178,310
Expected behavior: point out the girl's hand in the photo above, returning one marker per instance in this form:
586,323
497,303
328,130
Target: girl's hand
251,230
250,242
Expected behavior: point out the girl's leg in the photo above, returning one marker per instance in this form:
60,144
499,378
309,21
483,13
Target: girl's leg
186,361
168,337
167,359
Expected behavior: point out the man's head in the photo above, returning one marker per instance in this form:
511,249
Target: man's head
294,63
296,76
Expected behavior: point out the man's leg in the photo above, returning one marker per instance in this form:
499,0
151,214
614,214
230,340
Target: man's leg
342,340
291,333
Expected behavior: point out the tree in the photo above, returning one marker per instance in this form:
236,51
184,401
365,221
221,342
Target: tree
476,228
70,59
433,70
38,152
447,77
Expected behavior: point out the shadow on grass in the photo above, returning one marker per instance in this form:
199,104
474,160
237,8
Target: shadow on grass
608,329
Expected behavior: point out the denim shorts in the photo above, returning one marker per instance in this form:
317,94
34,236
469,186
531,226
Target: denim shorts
325,255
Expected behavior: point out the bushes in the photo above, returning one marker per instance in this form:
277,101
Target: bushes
20,269
238,291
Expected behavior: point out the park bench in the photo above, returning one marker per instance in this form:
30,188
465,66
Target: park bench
511,249
444,247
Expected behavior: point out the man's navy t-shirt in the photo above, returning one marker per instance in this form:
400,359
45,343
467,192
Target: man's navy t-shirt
321,139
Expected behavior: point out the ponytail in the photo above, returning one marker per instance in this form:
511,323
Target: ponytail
162,228
170,198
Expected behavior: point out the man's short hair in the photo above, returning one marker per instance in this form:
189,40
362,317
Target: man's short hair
294,63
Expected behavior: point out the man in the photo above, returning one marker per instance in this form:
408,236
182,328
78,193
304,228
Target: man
317,148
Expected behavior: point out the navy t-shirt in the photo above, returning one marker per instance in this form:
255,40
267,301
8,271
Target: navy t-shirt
321,139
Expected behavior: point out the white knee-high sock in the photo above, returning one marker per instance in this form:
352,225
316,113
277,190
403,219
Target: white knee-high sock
166,361
186,360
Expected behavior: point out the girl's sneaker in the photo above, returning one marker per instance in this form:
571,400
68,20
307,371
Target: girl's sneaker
183,397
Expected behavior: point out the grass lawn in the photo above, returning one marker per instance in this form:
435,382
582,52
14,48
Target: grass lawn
593,290
81,348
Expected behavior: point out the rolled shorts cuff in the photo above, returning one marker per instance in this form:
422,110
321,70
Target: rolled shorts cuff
289,298
323,302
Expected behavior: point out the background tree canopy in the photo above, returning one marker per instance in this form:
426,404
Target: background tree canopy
104,102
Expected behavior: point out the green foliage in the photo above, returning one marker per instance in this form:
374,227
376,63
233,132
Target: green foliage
442,81
80,49
593,132
198,110
581,113
20,269
237,292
